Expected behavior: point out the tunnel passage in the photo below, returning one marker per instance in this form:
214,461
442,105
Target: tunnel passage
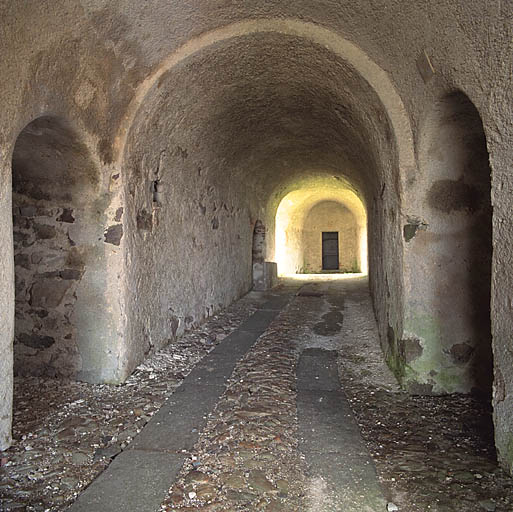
305,216
288,112
54,184
450,344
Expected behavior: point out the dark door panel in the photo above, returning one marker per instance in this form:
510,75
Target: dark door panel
330,250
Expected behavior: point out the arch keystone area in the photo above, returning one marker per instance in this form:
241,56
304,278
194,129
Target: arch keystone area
376,77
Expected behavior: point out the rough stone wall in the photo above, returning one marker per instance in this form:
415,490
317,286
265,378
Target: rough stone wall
447,339
47,270
385,251
52,69
330,216
189,233
6,307
85,60
63,313
48,167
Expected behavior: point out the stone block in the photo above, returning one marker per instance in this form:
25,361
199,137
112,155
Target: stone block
28,211
22,260
265,275
70,274
36,340
48,293
44,231
66,216
113,234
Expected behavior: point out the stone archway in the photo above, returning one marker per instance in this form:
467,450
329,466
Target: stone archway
376,77
448,342
298,242
391,161
57,249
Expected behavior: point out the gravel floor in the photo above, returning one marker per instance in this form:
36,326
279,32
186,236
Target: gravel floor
65,432
247,457
431,453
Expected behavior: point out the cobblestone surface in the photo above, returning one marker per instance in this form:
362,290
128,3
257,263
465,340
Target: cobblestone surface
431,453
66,432
247,457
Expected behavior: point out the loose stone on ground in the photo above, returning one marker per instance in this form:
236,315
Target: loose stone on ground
248,450
66,432
431,453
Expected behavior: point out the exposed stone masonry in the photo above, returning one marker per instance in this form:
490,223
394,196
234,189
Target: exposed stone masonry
48,265
67,432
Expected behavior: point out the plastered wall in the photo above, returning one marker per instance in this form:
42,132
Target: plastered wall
447,339
188,229
330,216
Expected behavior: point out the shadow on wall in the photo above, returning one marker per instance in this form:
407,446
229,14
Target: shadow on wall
54,222
448,347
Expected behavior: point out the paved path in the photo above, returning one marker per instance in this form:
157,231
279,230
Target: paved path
138,479
341,476
341,473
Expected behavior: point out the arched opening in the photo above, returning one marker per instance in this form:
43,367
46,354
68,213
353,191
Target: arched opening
321,229
227,153
54,200
450,344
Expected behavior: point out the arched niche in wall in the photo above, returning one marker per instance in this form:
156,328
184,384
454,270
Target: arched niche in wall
449,346
57,240
258,253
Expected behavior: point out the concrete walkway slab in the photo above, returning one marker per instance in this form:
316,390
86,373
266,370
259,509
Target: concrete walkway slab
259,321
135,480
176,425
318,372
342,475
139,478
237,343
275,302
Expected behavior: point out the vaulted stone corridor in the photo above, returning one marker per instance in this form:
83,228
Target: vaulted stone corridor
256,256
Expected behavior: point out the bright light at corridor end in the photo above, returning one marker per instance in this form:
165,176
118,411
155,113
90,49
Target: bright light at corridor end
304,214
322,277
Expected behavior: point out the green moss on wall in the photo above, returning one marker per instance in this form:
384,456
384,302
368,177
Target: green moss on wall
508,455
394,356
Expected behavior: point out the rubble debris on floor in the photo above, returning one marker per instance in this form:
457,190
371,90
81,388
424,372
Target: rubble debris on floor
247,457
431,453
66,432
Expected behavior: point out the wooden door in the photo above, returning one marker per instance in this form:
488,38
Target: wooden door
330,250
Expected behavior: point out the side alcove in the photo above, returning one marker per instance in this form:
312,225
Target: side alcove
57,232
448,341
